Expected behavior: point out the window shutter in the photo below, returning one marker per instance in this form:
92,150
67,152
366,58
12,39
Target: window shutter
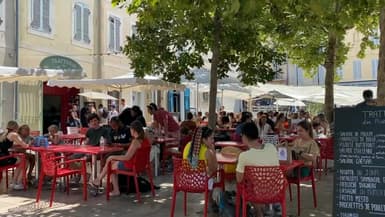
117,34
35,24
112,31
86,26
46,16
1,12
374,68
77,22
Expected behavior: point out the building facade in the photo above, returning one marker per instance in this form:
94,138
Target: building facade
82,37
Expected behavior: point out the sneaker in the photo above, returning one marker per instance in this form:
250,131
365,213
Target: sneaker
18,187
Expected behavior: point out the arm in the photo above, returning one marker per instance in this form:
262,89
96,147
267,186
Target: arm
212,163
15,138
240,169
135,145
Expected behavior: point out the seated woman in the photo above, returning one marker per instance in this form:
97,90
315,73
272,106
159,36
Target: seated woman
53,134
24,133
124,162
202,148
10,139
305,147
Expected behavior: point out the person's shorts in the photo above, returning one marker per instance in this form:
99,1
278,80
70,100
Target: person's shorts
305,171
8,161
121,166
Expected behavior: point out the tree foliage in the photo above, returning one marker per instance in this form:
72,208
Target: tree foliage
174,36
313,34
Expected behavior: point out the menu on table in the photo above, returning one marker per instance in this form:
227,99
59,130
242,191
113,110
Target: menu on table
359,147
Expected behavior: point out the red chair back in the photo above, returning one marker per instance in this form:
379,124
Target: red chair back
142,159
264,184
48,163
326,148
83,130
188,179
183,142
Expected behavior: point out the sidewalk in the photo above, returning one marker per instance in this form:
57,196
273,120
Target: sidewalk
20,203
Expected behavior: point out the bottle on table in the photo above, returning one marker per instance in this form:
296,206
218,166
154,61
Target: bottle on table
102,142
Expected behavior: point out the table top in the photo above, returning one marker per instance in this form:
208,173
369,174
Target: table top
226,159
82,149
287,138
73,136
164,139
294,164
230,143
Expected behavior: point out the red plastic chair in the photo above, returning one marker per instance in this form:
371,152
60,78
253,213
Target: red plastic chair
297,180
189,180
168,151
262,185
21,163
141,163
326,153
83,130
55,167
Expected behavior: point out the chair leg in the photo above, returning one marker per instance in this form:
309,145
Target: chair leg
137,188
6,179
85,181
206,203
39,187
24,174
298,199
68,185
291,197
173,203
237,202
149,174
52,191
314,192
326,166
244,206
283,206
128,184
108,186
185,203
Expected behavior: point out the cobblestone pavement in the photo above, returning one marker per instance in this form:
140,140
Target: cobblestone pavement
20,203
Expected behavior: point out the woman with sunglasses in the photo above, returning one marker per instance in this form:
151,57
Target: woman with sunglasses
11,139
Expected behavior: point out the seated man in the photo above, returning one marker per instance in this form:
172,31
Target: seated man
53,135
257,155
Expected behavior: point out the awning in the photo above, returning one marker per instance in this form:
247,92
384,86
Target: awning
117,83
12,74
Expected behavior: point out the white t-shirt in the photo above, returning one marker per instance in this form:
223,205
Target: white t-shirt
268,156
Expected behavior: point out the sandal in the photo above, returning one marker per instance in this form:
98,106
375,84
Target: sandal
93,185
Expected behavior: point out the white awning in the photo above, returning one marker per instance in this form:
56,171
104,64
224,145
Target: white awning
12,74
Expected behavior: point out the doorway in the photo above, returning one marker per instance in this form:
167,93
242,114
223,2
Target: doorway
51,111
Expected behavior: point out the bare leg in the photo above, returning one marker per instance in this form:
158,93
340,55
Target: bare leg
114,180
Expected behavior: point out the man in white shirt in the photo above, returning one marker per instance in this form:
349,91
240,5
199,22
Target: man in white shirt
258,155
122,105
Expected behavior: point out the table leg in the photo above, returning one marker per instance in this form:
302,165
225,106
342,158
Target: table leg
156,159
94,167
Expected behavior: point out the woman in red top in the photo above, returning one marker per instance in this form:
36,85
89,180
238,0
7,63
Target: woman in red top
124,162
163,120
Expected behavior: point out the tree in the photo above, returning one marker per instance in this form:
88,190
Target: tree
312,32
174,36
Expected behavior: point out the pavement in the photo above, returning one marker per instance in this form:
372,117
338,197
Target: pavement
22,203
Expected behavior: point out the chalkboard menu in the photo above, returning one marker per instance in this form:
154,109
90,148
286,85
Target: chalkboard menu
359,147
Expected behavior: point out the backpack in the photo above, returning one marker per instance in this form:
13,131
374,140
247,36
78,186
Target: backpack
105,113
144,185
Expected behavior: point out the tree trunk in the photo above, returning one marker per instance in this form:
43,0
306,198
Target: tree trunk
381,62
213,71
329,80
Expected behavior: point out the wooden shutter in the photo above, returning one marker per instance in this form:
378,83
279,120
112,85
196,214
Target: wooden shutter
46,16
117,34
86,26
77,22
35,24
111,41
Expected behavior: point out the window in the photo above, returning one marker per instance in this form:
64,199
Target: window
376,37
357,70
340,72
374,68
81,23
321,75
41,15
134,30
114,33
2,15
299,75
